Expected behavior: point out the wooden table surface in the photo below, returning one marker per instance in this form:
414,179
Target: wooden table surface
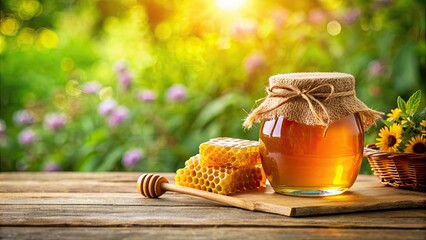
107,206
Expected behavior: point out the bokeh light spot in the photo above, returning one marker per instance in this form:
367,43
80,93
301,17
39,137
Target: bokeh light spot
224,43
2,43
48,38
67,64
72,89
334,28
29,8
26,37
163,31
230,4
9,26
60,101
105,93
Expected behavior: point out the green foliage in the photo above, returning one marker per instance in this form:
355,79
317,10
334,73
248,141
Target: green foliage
402,104
413,103
50,50
410,121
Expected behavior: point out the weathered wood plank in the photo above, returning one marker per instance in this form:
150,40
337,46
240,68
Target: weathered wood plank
66,176
169,199
365,195
68,186
65,233
107,206
84,215
122,199
103,176
75,185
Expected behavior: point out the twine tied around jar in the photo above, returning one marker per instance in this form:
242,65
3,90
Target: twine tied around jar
311,99
287,92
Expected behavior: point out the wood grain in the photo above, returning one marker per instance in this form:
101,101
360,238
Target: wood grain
107,206
146,216
363,196
174,233
366,195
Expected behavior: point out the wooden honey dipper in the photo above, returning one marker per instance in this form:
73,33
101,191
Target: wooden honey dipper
153,186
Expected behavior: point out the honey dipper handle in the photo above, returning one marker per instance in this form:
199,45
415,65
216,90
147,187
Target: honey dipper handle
231,201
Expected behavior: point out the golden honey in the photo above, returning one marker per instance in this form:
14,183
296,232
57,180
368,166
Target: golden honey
299,160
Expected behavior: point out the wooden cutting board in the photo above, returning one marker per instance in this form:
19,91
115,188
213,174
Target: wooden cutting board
364,195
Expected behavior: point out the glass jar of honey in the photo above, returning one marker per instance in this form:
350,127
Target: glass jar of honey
299,160
312,135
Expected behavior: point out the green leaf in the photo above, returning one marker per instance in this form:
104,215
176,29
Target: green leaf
413,102
387,123
418,117
401,104
88,163
405,67
214,109
110,160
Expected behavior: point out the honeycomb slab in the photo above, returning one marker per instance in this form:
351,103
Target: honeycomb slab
229,152
222,180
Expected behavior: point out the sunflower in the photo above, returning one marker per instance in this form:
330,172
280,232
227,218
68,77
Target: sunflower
417,144
390,138
394,114
423,123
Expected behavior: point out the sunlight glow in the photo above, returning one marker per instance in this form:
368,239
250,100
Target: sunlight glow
230,5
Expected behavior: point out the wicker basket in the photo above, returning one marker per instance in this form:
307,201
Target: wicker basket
399,170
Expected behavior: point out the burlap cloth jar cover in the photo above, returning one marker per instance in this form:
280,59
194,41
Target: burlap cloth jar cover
317,98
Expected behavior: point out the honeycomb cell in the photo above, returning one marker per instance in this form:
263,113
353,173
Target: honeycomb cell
229,152
223,180
216,180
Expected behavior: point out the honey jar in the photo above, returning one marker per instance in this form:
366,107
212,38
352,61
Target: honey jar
312,133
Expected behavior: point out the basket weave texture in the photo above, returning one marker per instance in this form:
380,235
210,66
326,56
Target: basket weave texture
399,170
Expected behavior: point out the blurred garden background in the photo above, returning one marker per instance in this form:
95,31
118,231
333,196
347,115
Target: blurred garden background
137,85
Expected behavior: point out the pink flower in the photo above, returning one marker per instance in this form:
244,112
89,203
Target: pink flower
317,16
176,93
120,66
351,16
92,87
27,137
376,68
106,107
147,95
279,18
132,156
244,28
124,76
253,62
55,121
23,117
118,115
125,80
51,167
